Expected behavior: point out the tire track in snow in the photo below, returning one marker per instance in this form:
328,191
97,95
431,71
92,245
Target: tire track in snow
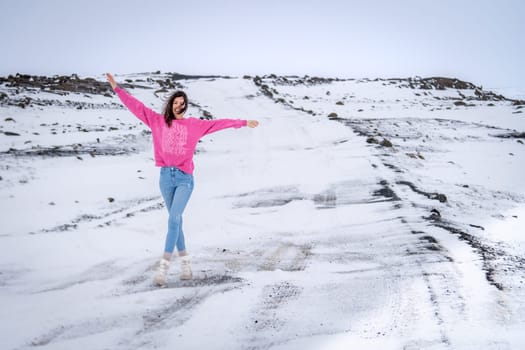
141,205
427,246
267,318
286,257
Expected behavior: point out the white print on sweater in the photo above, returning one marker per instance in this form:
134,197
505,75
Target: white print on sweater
174,139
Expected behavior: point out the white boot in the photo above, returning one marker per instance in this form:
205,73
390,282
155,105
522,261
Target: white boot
162,272
185,268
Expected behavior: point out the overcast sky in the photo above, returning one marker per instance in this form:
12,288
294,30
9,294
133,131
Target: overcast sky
476,40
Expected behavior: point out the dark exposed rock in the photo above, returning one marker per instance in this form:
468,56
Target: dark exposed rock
415,155
386,143
512,135
443,83
435,215
95,149
23,102
440,83
385,191
64,85
393,167
463,103
207,115
431,195
489,254
10,133
61,85
265,89
428,239
488,95
178,76
295,80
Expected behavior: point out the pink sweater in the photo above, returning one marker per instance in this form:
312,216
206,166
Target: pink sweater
174,146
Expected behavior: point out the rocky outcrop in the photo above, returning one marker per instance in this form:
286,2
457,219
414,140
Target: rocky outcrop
59,84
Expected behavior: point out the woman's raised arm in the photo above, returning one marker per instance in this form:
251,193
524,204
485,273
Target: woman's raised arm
111,80
134,105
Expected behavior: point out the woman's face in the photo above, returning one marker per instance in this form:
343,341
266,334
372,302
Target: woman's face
178,106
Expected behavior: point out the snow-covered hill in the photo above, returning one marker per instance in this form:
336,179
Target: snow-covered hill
364,214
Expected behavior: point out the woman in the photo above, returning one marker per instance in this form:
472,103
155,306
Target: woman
174,140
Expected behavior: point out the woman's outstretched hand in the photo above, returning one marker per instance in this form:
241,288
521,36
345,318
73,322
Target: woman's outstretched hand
112,81
252,123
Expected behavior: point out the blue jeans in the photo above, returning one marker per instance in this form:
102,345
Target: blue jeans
176,187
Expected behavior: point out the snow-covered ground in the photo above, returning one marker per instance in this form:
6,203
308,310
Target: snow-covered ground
308,232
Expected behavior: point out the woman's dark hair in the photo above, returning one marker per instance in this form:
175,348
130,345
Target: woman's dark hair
168,109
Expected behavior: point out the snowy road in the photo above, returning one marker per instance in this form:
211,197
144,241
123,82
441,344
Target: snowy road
303,234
